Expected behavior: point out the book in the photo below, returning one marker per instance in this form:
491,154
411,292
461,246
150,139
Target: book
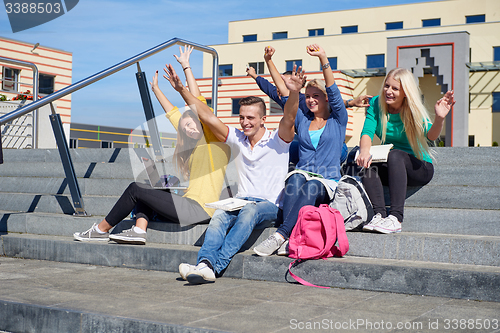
379,153
228,204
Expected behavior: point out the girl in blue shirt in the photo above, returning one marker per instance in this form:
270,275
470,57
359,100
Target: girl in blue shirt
320,131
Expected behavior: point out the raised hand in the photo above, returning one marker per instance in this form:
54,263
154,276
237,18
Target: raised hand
173,78
295,82
183,57
443,105
315,50
362,101
251,72
154,84
268,52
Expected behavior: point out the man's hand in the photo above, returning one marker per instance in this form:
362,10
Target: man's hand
251,72
173,78
295,82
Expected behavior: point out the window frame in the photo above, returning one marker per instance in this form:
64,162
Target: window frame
434,22
316,32
235,106
280,35
222,71
471,19
14,80
368,56
388,25
250,36
346,29
259,67
290,63
40,84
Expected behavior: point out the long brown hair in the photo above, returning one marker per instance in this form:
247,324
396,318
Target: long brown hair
185,146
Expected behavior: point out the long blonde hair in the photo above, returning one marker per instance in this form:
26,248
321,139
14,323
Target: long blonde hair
413,113
184,147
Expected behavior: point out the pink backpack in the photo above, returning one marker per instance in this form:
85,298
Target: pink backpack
314,236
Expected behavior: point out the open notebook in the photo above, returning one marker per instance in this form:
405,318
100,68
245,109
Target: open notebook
379,153
229,204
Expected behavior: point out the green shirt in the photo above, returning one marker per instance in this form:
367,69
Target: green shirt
395,131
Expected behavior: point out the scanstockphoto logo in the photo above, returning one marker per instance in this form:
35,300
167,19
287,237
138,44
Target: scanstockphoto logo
25,14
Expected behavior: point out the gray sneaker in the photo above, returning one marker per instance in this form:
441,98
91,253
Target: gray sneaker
91,235
269,246
129,236
283,250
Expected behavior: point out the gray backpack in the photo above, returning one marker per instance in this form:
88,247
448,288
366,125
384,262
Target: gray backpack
353,203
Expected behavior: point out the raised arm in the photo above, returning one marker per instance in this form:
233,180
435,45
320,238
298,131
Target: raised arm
204,112
317,51
293,83
277,79
442,107
183,59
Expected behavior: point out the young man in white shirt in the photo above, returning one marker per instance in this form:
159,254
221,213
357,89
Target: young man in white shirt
261,158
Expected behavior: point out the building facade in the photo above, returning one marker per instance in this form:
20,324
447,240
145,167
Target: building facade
16,83
356,41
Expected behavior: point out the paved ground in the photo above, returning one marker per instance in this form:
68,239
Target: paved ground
112,296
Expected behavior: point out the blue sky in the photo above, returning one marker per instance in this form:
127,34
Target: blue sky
101,33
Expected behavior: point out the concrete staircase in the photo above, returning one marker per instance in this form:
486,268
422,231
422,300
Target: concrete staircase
449,246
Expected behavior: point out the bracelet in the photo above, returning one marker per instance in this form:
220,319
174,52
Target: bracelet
325,66
185,68
347,103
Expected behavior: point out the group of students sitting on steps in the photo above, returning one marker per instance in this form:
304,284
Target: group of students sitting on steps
317,121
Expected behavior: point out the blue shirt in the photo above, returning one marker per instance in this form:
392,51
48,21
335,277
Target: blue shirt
325,158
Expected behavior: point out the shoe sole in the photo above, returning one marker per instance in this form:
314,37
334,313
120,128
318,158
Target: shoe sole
198,279
262,254
128,240
368,228
86,239
386,231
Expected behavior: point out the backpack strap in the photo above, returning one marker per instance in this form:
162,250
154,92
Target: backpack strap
366,200
300,280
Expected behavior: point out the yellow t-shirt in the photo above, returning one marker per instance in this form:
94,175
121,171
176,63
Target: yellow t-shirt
207,164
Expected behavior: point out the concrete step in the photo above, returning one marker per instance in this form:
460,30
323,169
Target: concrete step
43,296
475,282
420,246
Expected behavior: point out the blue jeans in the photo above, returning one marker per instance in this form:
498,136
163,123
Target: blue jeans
299,193
220,245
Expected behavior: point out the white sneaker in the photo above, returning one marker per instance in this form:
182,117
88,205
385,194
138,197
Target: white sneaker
375,220
270,245
185,269
283,250
201,274
388,225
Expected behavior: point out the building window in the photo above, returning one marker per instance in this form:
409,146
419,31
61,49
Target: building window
431,22
475,19
250,38
290,63
225,70
235,111
316,32
375,60
496,53
333,63
280,35
46,84
258,66
10,79
495,107
106,144
394,25
275,108
350,29
73,143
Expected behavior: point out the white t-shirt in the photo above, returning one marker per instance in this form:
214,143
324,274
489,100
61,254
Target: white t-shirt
261,170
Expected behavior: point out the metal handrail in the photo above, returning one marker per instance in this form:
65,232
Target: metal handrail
35,95
116,68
